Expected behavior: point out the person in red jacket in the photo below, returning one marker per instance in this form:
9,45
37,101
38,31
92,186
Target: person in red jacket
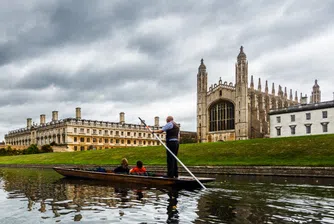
139,169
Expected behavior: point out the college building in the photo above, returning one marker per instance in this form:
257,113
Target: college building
77,134
236,111
314,118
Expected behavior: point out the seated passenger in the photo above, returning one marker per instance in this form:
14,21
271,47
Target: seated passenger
123,168
139,169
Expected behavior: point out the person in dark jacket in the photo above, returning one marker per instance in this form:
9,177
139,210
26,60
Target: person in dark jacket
172,141
123,168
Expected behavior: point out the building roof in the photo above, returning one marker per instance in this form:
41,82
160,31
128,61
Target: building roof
306,107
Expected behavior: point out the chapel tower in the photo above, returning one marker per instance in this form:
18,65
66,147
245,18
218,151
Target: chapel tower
241,97
202,86
316,93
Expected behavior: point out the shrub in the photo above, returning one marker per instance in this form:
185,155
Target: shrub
46,148
32,149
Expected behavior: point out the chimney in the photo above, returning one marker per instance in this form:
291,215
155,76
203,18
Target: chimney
78,113
29,120
303,100
42,119
121,118
54,115
156,121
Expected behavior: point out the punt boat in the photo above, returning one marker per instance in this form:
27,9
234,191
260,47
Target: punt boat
181,181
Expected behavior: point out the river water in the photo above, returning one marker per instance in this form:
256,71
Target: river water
43,196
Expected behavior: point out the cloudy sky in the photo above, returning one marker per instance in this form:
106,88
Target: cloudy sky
141,57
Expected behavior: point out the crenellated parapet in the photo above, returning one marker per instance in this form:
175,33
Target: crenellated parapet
221,85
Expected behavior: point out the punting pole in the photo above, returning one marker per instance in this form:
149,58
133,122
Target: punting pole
149,129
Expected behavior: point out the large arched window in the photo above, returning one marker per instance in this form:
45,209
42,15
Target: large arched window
221,116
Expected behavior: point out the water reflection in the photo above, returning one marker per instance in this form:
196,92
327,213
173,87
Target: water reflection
34,196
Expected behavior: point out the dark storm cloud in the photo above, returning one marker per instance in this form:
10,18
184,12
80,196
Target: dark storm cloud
42,43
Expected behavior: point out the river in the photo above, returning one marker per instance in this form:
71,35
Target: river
43,196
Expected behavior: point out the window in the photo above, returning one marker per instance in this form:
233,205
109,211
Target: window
293,129
111,141
308,116
82,140
308,129
88,139
134,142
324,127
139,134
135,134
122,133
88,131
117,132
128,133
220,93
94,139
105,140
100,132
117,141
122,141
143,134
75,148
278,119
75,130
94,131
75,139
144,142
293,118
105,132
129,142
100,140
82,148
111,132
278,130
82,130
324,114
221,116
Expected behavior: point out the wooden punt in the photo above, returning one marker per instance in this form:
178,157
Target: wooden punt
181,181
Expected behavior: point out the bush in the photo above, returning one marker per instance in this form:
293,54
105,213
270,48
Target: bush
32,149
46,148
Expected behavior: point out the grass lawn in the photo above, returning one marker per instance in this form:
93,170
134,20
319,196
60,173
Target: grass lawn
315,150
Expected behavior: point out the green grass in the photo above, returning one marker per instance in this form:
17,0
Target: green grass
294,151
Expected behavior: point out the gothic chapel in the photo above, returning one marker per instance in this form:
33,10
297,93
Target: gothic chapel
236,112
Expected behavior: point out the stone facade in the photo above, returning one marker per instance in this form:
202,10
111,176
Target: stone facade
77,134
228,111
303,119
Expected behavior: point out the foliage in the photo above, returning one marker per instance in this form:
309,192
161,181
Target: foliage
317,150
32,149
46,148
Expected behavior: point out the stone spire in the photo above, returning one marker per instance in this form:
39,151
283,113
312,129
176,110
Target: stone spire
266,88
291,97
280,92
259,85
202,66
301,95
273,89
252,83
296,96
316,93
285,92
242,55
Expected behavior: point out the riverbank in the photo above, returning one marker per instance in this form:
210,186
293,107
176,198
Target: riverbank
287,171
294,151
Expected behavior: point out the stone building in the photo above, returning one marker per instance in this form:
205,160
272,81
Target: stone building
77,134
315,118
228,111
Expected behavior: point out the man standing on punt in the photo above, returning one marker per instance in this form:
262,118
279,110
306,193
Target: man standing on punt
172,141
